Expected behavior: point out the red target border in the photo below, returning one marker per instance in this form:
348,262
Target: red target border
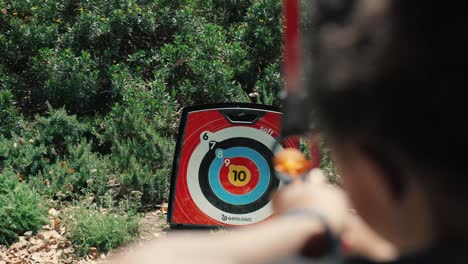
177,171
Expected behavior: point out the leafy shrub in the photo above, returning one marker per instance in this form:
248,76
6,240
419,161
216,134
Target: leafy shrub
269,87
202,65
90,171
48,140
41,143
124,68
140,154
151,99
230,12
263,34
63,51
153,184
8,114
79,172
58,131
24,35
102,228
67,79
23,155
54,157
115,29
131,136
21,208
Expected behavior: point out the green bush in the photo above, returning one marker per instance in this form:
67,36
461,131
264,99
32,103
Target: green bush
23,155
124,68
58,130
21,208
151,99
207,51
54,157
87,171
153,184
102,228
67,80
263,34
230,12
269,86
202,65
140,155
8,113
42,142
79,172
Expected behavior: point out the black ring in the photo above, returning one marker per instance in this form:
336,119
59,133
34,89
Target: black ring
213,198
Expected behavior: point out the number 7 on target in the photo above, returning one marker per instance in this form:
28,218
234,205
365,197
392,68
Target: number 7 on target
212,144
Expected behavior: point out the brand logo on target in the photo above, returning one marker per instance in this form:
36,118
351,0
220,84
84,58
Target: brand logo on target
236,218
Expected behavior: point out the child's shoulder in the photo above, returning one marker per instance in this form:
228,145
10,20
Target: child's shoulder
455,254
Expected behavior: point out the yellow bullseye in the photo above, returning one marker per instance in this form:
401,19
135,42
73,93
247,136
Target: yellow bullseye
239,175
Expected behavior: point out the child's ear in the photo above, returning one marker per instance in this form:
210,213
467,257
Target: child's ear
365,182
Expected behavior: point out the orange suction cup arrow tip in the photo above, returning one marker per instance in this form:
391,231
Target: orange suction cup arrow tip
290,164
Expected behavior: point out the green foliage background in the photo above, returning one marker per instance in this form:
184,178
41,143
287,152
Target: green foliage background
91,91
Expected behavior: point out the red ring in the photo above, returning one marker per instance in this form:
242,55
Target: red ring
240,161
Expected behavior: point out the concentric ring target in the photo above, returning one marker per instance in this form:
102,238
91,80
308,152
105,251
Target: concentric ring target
234,175
212,188
231,154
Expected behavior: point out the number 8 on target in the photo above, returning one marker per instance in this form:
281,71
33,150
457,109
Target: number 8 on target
219,153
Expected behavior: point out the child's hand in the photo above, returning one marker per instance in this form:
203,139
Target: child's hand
315,194
360,240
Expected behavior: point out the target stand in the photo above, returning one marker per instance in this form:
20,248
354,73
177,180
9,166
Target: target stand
223,173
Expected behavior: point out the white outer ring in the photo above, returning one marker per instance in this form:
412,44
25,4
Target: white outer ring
194,166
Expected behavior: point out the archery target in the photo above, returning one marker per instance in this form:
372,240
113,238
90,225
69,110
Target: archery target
223,173
235,175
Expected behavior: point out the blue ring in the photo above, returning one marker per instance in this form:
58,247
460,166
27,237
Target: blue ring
255,194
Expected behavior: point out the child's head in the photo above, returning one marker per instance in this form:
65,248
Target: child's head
388,91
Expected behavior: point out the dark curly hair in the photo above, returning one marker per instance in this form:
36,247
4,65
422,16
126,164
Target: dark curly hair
391,82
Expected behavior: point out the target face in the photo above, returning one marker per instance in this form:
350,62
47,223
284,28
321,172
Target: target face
223,172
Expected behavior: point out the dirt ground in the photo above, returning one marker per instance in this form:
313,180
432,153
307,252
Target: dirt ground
51,246
153,225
